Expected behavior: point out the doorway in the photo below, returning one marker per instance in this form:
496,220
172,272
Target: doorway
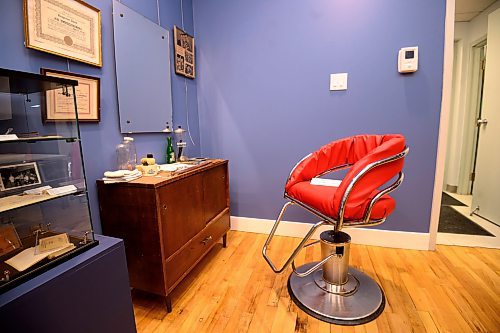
468,145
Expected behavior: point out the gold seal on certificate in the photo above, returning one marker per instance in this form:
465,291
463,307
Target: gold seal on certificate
68,28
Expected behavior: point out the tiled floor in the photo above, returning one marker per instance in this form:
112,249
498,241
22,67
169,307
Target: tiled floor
470,240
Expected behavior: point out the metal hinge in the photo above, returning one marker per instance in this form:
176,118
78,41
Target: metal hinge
472,176
483,64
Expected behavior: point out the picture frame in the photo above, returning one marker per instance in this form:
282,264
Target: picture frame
67,28
184,53
17,176
61,108
9,239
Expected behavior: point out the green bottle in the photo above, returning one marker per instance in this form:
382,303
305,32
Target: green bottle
170,151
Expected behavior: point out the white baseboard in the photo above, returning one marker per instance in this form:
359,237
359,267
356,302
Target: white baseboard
364,236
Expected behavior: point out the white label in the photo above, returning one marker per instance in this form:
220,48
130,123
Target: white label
53,242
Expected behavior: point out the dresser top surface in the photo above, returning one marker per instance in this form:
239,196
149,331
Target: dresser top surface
165,177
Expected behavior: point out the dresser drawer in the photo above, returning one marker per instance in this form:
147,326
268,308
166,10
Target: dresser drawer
179,264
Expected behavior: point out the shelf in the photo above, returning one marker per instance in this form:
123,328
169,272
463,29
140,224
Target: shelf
16,82
42,138
17,201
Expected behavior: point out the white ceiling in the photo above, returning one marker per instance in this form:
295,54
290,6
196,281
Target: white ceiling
466,10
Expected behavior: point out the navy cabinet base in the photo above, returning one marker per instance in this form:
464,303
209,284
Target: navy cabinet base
88,293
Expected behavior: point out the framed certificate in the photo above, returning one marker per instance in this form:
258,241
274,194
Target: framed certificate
68,28
59,107
184,53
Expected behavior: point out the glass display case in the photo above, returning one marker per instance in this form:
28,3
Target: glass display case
44,209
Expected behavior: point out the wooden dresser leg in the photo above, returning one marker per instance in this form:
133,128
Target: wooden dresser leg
168,303
224,240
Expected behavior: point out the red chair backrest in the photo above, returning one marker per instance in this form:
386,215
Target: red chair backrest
358,151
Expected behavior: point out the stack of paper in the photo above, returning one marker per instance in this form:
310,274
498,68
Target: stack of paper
126,176
61,190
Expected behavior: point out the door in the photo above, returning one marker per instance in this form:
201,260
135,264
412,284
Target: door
487,182
480,52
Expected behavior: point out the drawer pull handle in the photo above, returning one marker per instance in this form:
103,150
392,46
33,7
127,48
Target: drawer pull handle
206,240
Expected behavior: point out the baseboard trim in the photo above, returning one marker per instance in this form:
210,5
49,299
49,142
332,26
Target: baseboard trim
364,236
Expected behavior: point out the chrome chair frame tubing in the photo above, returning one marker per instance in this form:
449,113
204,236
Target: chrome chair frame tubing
365,170
299,247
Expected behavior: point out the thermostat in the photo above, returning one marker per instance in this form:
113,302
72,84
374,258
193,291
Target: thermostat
408,59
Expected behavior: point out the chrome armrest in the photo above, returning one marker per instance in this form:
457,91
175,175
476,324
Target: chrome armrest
295,166
365,170
379,195
297,249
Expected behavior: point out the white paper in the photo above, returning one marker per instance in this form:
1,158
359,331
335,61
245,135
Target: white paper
8,137
175,167
29,257
62,190
326,182
38,190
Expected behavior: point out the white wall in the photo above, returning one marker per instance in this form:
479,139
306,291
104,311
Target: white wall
467,34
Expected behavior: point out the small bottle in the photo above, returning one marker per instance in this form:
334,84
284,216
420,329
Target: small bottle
170,151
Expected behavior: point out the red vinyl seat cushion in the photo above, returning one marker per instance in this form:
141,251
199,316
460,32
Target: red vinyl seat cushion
321,198
357,152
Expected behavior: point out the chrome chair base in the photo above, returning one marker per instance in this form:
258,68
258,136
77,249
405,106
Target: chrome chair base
359,302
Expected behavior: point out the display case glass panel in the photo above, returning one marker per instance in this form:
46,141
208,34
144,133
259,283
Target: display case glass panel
44,208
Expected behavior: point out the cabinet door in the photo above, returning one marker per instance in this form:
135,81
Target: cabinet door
215,192
181,212
130,213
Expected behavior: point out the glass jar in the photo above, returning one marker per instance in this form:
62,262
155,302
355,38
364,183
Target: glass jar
126,154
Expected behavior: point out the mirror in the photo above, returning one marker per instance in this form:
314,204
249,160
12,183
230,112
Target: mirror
142,55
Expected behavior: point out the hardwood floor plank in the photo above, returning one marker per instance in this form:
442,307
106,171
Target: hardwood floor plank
453,289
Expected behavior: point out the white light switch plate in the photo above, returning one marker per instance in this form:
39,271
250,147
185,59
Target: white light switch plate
338,81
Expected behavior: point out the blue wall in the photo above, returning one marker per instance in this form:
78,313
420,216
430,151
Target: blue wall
264,99
99,140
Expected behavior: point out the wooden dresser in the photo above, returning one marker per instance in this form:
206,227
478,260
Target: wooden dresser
168,222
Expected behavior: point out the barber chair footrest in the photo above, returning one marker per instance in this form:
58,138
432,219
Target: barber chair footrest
359,307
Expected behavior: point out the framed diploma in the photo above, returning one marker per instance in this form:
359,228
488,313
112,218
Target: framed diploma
59,107
68,28
184,53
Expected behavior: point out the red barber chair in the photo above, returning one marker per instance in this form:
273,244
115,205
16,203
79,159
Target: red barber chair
330,290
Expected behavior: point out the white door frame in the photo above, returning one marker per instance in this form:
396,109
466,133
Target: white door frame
472,105
449,33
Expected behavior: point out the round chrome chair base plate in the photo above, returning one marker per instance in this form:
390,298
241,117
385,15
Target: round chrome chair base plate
360,307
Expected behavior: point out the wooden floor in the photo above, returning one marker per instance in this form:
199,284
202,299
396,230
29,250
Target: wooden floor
454,289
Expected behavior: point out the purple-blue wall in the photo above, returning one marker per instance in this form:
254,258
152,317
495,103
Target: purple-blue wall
99,140
262,89
264,99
